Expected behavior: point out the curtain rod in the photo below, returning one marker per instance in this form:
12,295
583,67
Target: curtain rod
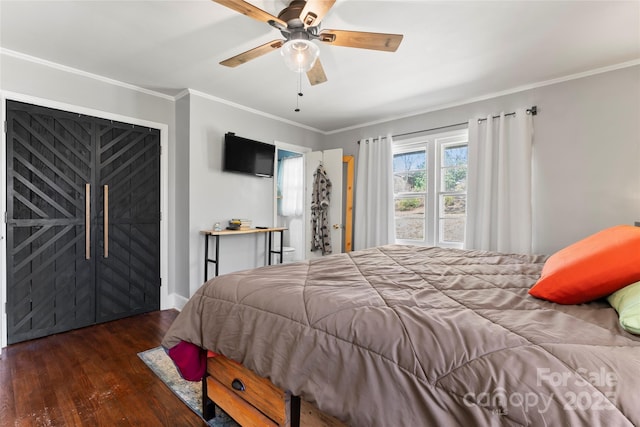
533,111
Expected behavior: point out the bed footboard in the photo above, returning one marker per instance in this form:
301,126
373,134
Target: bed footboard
248,398
252,400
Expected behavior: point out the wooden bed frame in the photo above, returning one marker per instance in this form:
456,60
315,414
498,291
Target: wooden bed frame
252,400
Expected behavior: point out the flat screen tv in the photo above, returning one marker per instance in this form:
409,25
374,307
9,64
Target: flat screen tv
247,156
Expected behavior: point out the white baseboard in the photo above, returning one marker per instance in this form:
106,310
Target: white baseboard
177,301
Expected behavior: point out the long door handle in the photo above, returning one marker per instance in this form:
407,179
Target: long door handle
106,221
87,221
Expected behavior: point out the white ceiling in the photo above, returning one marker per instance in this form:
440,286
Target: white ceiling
452,52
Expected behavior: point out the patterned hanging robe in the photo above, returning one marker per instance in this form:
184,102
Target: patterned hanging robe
321,238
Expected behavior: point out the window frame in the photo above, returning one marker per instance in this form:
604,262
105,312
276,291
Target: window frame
409,146
434,146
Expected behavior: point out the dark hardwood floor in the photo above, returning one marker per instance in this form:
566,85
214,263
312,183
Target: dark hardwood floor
90,377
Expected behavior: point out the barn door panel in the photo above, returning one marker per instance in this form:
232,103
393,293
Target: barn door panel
83,220
50,283
129,253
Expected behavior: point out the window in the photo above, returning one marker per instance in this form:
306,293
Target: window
430,189
410,192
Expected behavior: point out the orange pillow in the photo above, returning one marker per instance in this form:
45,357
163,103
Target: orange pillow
591,268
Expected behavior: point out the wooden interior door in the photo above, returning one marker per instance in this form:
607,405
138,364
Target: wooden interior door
50,283
59,275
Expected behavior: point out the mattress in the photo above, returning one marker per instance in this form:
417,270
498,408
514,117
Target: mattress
418,336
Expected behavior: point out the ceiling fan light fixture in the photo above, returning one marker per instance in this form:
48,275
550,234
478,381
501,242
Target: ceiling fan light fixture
300,55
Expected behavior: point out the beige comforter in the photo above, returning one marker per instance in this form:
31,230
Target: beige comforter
415,336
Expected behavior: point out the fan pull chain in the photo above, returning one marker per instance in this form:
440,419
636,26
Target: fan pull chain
299,92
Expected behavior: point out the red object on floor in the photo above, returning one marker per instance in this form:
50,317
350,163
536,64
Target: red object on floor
190,360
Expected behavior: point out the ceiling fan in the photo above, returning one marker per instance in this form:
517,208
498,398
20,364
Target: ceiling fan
299,25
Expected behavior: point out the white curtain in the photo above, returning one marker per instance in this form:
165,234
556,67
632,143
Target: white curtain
499,184
292,201
374,219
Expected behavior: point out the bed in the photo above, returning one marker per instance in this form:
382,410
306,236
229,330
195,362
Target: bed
418,336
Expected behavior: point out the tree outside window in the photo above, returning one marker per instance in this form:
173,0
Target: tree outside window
453,193
410,185
429,194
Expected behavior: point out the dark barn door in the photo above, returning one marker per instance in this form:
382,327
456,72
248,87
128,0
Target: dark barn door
128,177
68,267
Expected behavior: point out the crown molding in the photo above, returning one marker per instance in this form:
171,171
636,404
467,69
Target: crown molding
511,91
185,92
76,71
248,109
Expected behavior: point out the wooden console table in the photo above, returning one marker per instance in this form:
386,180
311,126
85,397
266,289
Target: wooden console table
218,234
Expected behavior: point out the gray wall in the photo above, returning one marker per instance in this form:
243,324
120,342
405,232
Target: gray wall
199,193
28,78
586,174
586,151
179,241
217,196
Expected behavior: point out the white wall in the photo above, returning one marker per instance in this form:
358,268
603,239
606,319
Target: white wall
586,151
217,196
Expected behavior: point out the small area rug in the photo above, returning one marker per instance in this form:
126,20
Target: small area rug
188,391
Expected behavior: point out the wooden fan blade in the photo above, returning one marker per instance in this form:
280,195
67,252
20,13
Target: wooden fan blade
316,74
251,11
252,53
362,40
314,11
